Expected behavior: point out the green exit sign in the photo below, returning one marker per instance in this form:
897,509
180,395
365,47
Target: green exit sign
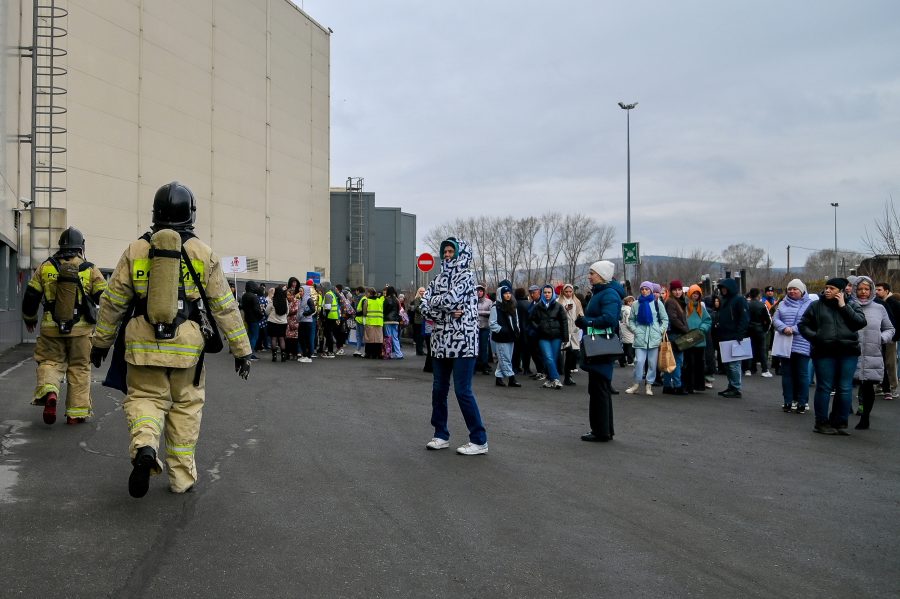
631,253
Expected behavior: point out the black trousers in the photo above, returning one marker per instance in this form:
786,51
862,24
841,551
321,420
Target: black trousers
600,410
693,369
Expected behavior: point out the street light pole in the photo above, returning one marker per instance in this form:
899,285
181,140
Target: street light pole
835,206
627,108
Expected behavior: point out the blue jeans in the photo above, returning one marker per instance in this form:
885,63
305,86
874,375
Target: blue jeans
733,373
834,374
462,370
504,353
392,331
253,334
550,352
795,379
673,379
360,339
648,357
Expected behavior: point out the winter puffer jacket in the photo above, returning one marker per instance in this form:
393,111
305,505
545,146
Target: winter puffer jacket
550,321
625,331
602,312
878,330
453,289
831,330
649,336
788,314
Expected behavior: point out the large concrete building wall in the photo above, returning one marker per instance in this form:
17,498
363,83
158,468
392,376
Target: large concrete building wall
11,328
230,97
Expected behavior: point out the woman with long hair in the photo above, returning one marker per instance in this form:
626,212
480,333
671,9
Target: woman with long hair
572,306
276,320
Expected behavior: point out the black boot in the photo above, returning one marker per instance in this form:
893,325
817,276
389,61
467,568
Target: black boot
513,382
499,382
283,357
143,463
274,354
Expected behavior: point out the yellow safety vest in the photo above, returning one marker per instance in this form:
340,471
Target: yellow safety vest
375,312
360,319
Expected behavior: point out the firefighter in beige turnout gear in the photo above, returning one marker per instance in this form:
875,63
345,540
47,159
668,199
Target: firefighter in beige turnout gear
68,282
165,374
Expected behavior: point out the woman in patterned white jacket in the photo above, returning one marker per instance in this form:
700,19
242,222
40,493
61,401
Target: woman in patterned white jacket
450,302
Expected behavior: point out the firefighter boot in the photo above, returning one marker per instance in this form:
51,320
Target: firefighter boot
50,408
143,462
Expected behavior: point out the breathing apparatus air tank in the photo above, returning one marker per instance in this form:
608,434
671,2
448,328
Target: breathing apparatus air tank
165,280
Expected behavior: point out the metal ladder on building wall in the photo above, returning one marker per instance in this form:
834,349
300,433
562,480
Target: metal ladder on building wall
48,131
359,232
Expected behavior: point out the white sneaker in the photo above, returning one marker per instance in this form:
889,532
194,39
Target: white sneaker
630,390
357,353
340,352
556,384
472,449
328,355
540,377
438,444
708,385
766,375
747,373
548,384
648,389
305,360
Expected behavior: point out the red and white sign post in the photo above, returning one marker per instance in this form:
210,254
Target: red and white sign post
425,262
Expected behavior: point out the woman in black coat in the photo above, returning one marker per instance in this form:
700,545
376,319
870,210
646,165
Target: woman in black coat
552,325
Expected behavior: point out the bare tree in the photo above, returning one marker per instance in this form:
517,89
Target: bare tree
886,237
527,231
578,231
742,255
551,231
820,265
604,236
510,247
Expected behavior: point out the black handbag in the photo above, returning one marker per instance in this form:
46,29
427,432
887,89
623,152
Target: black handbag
598,346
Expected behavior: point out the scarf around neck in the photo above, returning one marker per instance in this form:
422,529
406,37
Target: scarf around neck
645,314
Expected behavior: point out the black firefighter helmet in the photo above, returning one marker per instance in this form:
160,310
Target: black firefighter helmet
174,207
71,241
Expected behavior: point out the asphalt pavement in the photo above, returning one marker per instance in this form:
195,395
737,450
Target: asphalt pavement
315,482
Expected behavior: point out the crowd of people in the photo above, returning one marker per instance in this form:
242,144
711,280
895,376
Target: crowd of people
847,339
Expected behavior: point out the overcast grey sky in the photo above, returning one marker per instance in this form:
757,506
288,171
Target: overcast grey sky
752,116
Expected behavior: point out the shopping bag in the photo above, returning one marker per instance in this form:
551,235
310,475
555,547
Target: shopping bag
781,345
666,360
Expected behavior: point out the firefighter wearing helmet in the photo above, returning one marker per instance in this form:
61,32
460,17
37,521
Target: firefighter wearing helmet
171,293
69,288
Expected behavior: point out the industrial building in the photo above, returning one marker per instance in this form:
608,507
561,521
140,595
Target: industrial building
370,246
103,102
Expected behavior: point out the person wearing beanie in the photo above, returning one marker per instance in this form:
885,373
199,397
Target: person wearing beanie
601,314
794,368
531,336
649,321
760,322
878,331
625,332
831,324
450,303
734,320
504,327
674,304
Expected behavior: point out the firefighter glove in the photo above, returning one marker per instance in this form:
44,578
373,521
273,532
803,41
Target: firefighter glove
242,367
98,354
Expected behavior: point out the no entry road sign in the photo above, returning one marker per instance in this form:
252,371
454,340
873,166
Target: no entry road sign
425,262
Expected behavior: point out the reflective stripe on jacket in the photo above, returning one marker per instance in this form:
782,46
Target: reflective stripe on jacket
129,280
44,282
